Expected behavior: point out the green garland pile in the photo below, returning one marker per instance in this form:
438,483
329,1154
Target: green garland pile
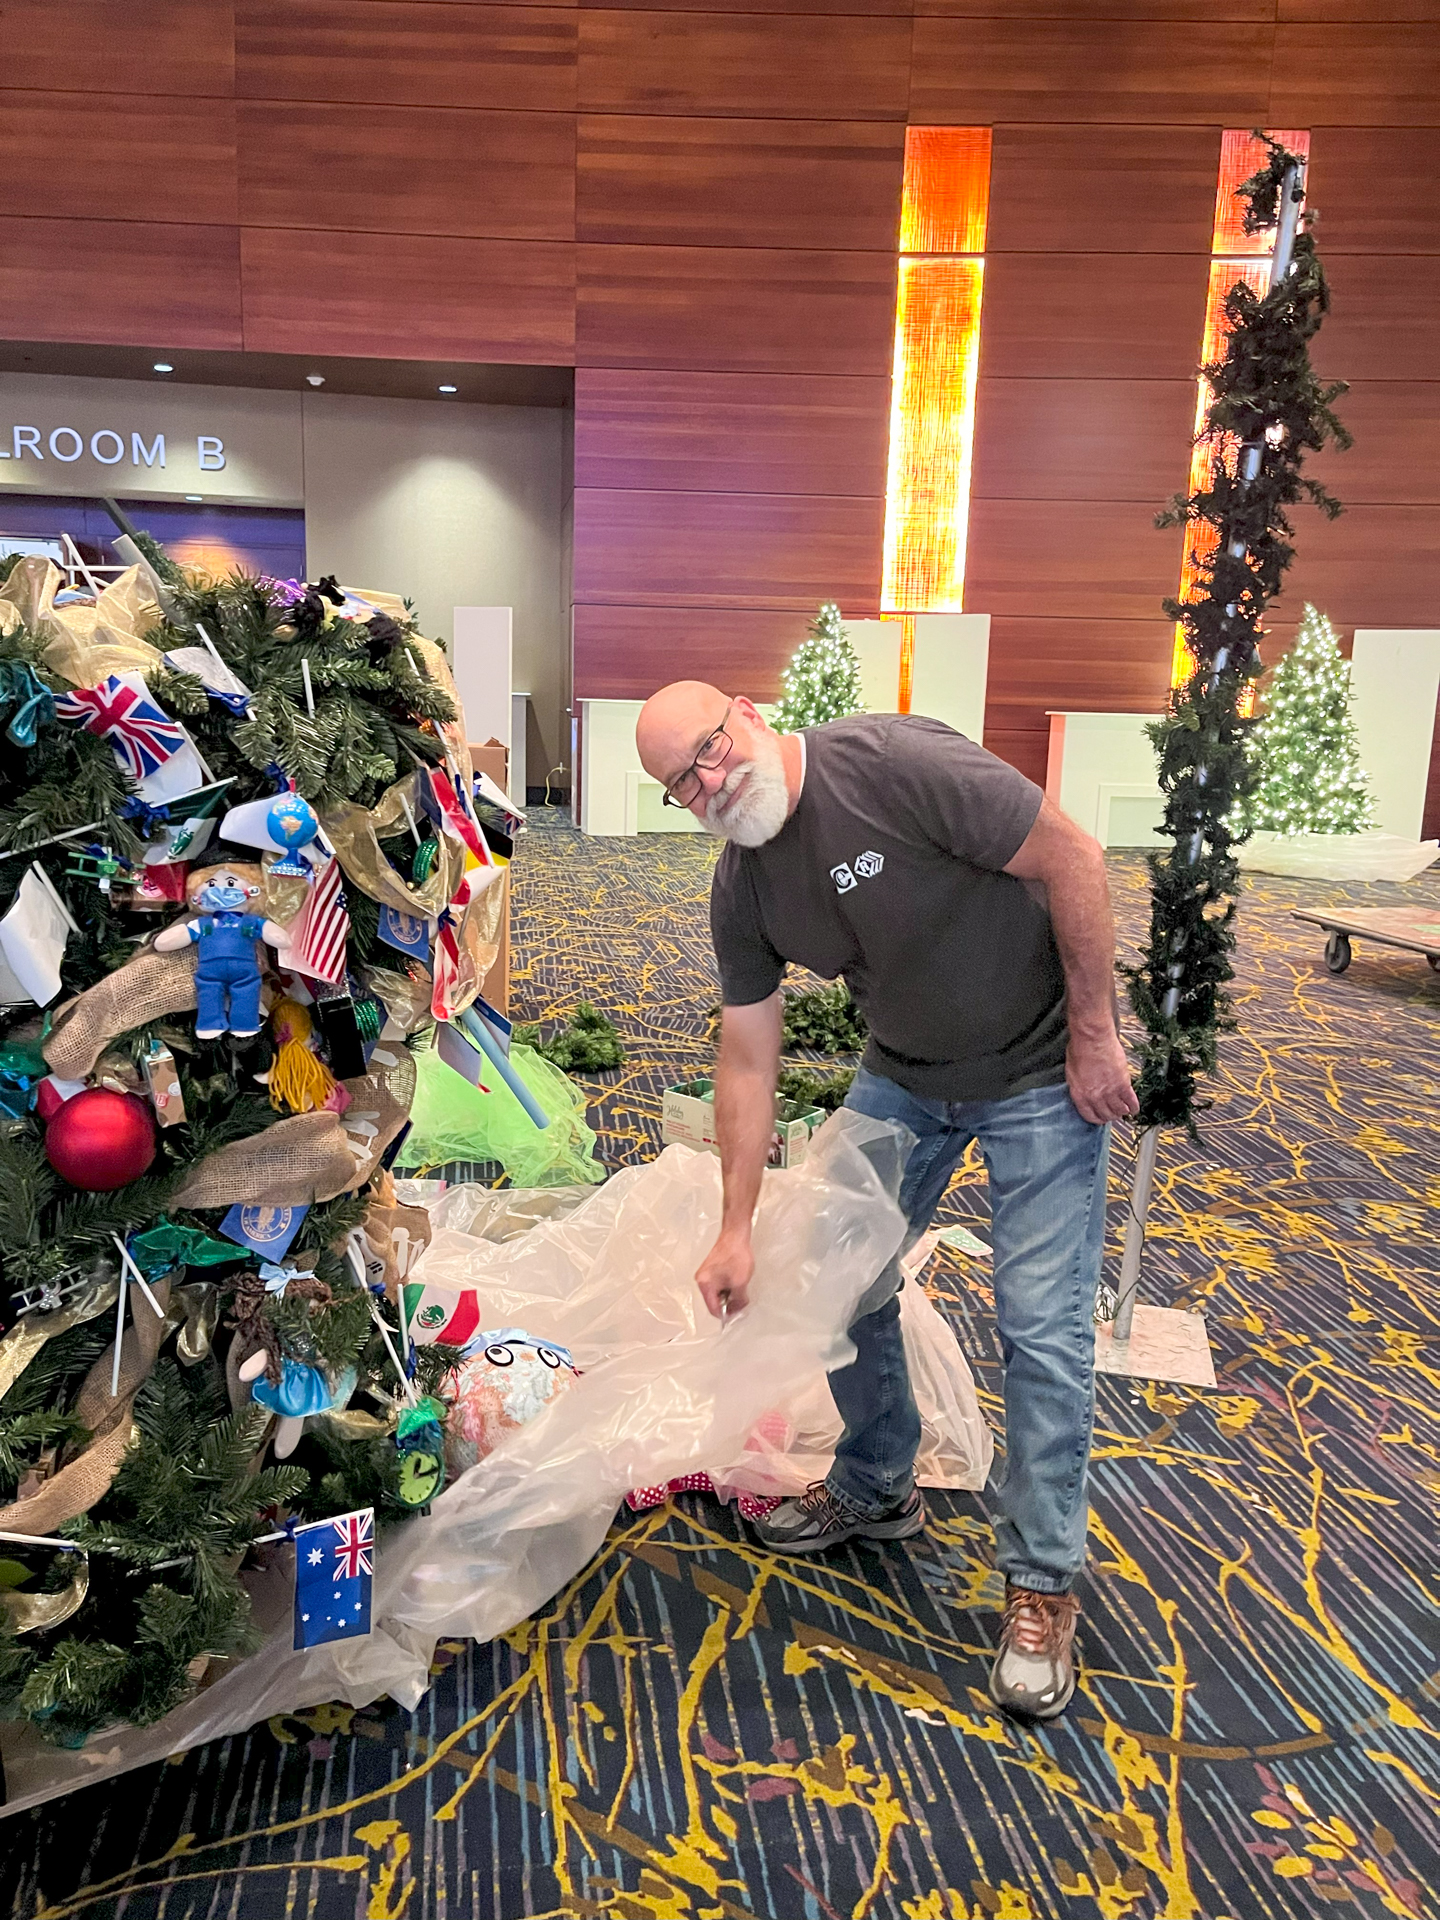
166,1540
590,1044
1265,396
824,1020
807,1090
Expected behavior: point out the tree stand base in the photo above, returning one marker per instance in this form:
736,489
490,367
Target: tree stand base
1164,1344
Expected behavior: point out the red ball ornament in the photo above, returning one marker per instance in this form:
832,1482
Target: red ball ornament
101,1140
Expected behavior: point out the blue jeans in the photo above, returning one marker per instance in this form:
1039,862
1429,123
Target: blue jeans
1047,1194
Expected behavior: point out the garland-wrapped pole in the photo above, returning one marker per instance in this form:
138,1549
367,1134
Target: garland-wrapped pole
1267,403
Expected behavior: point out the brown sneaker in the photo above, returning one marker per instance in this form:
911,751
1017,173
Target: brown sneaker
1034,1671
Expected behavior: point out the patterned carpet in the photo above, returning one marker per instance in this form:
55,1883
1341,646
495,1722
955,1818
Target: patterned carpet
699,1729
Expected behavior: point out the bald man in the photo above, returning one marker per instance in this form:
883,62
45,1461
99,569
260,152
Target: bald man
971,921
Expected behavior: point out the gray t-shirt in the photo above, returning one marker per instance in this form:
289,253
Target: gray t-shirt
888,872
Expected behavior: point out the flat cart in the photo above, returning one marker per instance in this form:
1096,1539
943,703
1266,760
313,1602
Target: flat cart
1413,929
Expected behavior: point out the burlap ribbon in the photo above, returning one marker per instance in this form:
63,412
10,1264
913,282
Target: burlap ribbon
135,995
86,1478
396,1233
311,1156
83,643
292,1164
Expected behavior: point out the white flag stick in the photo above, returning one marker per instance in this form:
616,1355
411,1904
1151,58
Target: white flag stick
119,1332
140,1280
44,1540
309,690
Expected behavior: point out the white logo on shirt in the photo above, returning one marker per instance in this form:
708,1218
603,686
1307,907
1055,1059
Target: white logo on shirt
869,864
844,879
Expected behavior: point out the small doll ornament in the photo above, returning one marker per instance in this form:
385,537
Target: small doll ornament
299,1079
227,967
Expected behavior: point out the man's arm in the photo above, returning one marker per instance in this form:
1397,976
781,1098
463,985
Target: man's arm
1072,868
745,1120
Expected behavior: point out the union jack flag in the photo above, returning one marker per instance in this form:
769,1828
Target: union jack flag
143,736
352,1556
321,928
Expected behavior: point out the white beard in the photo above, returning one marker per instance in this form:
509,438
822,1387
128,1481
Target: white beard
761,810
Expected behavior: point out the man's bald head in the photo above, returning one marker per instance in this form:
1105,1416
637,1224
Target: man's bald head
744,791
673,725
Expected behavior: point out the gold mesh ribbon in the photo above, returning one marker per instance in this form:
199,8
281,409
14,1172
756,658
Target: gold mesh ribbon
30,1332
86,1479
83,644
36,1612
356,833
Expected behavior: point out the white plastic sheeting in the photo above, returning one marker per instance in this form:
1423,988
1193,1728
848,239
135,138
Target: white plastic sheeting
1337,856
665,1391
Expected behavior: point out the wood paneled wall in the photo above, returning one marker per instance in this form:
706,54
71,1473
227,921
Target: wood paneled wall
696,206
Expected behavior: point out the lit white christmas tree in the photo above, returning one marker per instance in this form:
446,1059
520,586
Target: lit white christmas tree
1305,747
822,681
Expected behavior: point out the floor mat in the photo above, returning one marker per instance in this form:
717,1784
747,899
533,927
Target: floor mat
698,1728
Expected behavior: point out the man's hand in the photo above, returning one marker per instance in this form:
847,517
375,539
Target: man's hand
1098,1076
728,1268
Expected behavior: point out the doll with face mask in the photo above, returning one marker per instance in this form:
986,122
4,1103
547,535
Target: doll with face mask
227,967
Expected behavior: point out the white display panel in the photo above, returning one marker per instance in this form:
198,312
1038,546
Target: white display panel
1396,678
950,668
1102,773
483,651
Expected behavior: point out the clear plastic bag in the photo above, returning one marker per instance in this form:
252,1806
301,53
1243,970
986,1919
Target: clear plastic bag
665,1391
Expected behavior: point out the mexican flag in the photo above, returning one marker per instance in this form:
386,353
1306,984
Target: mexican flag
439,1313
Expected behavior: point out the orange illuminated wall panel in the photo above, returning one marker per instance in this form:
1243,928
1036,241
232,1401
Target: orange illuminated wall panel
1237,255
937,352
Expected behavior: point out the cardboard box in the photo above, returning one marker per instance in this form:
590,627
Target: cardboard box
687,1115
493,758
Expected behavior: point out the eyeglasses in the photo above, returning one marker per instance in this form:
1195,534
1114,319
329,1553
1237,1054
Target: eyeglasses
713,750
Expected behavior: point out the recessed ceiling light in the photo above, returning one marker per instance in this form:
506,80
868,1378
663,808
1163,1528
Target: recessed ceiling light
162,366
315,379
195,496
449,389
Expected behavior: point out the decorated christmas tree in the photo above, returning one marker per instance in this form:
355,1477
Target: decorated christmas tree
1304,753
822,681
240,873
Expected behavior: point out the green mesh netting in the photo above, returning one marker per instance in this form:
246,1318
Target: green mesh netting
451,1120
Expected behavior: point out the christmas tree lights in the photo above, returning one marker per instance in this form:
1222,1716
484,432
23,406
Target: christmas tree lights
1304,750
822,681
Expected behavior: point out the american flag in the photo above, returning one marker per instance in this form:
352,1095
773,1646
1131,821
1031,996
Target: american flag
141,733
352,1556
320,929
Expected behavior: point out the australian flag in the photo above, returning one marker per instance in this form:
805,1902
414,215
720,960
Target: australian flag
334,1572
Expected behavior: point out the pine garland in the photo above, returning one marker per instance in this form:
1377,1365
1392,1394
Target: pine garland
823,1020
822,681
1265,400
589,1044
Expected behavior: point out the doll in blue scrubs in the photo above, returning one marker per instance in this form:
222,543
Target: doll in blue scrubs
227,966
